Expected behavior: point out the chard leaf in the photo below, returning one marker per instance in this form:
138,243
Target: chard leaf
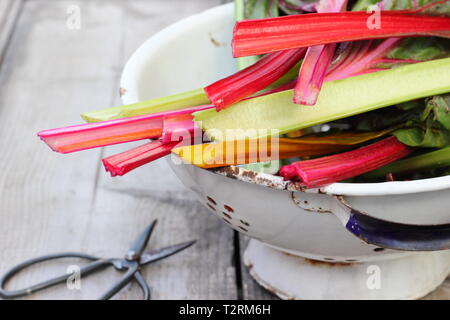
423,48
440,106
362,5
410,105
386,118
255,9
432,128
296,6
430,137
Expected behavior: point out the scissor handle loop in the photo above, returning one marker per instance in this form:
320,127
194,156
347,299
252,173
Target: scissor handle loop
97,264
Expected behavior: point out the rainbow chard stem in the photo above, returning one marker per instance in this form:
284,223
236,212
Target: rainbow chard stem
318,172
169,103
122,163
312,74
253,37
100,134
180,128
364,58
316,62
252,79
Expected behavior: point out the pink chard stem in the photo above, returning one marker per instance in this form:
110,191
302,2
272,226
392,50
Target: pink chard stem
178,131
316,62
322,171
364,59
122,163
100,134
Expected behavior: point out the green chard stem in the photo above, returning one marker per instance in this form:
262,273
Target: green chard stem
169,103
173,102
430,160
338,99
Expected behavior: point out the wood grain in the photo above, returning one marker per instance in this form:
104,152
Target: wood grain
9,13
51,203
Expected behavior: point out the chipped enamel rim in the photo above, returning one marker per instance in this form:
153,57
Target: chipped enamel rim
147,51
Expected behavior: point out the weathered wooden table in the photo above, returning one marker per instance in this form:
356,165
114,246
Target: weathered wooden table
50,72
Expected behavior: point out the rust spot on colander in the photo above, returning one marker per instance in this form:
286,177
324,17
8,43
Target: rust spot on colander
229,172
250,174
215,42
245,223
304,205
328,264
259,178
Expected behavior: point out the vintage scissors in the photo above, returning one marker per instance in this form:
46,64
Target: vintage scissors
130,264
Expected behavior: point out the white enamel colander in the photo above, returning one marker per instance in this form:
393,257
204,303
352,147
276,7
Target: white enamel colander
351,225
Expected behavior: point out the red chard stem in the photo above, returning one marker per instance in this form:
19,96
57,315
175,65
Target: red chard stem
252,79
252,37
122,163
322,171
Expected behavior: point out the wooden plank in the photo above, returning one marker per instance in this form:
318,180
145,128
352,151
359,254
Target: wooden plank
48,75
205,271
441,293
49,202
9,13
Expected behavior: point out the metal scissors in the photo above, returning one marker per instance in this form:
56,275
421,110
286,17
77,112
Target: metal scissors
134,259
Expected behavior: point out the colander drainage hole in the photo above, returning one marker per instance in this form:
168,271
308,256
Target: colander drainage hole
211,207
243,229
378,249
211,200
227,215
245,223
328,259
228,208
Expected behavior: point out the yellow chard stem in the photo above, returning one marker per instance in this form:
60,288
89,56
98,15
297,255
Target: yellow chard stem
237,152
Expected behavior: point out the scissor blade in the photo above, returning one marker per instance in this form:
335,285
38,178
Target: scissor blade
138,246
159,254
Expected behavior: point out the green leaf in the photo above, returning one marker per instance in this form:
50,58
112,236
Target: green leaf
440,106
431,128
423,48
430,137
362,5
386,118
